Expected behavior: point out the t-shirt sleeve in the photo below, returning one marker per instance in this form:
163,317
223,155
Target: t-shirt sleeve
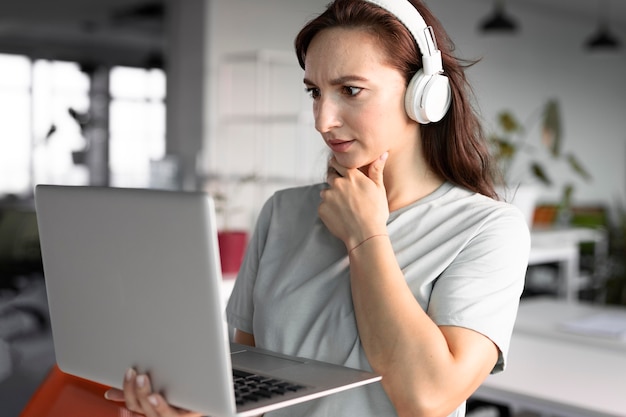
481,289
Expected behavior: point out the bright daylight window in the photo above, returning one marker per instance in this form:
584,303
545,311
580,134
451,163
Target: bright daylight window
37,133
38,136
15,124
136,124
57,88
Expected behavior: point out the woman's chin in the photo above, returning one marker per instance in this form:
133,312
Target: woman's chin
351,162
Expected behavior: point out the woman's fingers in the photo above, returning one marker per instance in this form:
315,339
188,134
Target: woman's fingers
137,390
332,173
139,398
130,395
114,394
145,399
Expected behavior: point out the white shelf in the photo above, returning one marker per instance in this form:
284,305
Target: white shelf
264,128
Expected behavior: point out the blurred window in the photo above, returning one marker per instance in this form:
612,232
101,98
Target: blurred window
58,90
39,137
15,124
136,124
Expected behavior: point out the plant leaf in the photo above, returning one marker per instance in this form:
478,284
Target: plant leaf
540,173
551,127
508,122
578,168
566,197
504,148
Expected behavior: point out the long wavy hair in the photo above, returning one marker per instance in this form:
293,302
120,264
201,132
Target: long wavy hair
455,147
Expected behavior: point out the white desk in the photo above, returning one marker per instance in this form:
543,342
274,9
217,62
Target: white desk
557,373
562,245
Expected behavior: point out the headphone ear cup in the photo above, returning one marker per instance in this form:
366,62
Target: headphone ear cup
427,97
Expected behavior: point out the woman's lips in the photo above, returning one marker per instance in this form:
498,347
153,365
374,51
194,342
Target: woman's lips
339,145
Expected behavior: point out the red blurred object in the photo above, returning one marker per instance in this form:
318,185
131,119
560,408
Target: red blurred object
232,245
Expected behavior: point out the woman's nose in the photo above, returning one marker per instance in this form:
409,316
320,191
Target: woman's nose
326,113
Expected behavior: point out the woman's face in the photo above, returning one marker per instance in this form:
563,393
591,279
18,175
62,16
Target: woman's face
358,99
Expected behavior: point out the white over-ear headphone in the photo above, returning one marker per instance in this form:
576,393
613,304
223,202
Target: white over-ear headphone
428,94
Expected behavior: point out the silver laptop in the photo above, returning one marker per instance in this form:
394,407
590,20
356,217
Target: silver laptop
133,279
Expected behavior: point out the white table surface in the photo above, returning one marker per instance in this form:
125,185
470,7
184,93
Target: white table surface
559,373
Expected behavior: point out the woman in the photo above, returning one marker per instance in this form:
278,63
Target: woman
403,262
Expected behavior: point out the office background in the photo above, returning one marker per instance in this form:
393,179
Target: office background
544,59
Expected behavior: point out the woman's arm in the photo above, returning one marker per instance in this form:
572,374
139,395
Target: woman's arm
427,370
243,338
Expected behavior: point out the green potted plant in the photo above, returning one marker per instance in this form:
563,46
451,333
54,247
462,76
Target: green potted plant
615,285
521,163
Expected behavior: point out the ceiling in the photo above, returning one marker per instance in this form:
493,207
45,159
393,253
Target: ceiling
600,18
123,31
133,30
582,10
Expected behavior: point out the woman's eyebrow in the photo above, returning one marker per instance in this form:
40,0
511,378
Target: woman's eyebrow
340,80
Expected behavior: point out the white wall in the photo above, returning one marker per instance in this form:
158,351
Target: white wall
545,60
289,153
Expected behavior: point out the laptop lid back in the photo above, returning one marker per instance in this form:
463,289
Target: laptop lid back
119,265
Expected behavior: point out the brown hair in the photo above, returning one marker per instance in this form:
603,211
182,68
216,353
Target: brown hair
455,147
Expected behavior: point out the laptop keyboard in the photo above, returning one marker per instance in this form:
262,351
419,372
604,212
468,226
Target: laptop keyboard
252,387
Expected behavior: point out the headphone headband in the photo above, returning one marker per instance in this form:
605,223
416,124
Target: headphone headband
408,15
428,95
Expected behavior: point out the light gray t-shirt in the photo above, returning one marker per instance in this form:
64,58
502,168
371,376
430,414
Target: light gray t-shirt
463,255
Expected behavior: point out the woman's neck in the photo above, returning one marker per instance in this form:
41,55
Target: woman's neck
407,181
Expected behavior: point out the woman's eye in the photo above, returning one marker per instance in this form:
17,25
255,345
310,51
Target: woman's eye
313,92
352,91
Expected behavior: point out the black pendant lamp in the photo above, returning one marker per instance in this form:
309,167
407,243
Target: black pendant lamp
602,39
498,21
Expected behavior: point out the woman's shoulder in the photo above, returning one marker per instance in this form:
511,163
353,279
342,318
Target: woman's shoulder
294,202
461,208
476,202
480,218
495,218
305,194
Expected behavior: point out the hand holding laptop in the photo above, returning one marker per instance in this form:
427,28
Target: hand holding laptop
139,398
